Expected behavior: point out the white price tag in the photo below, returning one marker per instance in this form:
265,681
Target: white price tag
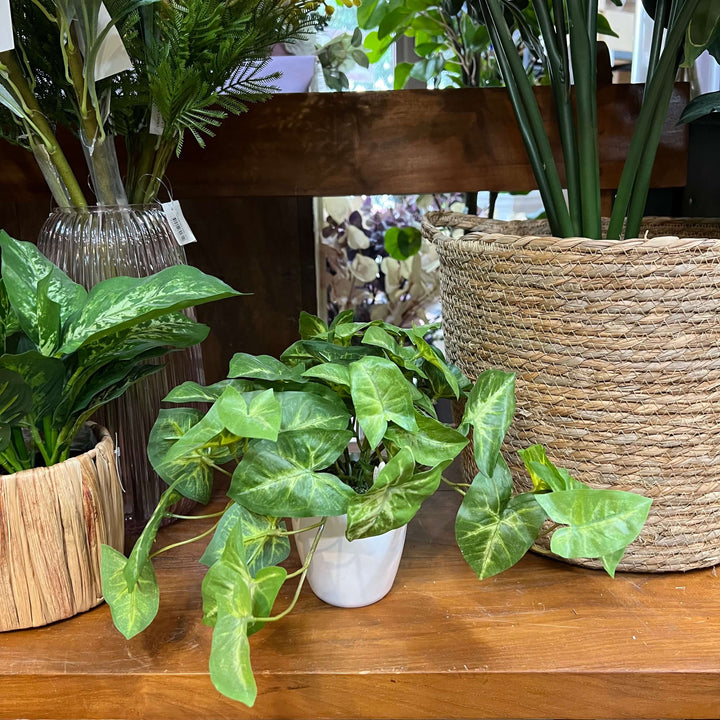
180,228
157,124
7,41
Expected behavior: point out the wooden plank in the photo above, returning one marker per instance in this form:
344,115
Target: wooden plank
410,141
543,640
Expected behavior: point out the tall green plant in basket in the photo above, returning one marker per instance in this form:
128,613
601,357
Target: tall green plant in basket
682,30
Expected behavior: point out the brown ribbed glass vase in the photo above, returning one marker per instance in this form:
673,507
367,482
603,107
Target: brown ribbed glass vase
96,243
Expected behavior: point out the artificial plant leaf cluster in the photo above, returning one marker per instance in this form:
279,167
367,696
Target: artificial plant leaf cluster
682,30
66,352
344,422
191,63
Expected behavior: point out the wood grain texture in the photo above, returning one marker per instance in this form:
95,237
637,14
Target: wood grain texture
403,142
543,640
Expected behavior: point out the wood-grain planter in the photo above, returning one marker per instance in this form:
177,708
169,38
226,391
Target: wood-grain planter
616,348
52,523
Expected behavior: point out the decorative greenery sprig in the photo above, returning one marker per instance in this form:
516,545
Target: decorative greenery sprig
65,352
193,63
344,423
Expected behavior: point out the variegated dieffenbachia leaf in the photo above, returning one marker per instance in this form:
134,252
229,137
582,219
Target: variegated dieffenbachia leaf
493,528
23,269
489,411
285,478
118,303
44,376
15,398
380,395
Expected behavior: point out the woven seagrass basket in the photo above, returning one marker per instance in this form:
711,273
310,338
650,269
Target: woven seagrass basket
52,523
616,347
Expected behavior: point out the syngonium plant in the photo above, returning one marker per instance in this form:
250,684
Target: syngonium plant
305,436
64,352
682,30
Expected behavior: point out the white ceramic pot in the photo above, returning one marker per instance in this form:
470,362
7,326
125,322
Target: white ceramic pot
349,574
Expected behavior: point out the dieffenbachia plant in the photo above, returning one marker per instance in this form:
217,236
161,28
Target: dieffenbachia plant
682,30
65,352
306,435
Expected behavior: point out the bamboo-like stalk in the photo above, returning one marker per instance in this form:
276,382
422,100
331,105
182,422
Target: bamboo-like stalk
583,54
652,115
559,68
46,134
529,120
662,14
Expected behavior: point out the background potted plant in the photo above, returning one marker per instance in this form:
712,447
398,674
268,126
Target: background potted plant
613,352
344,424
65,353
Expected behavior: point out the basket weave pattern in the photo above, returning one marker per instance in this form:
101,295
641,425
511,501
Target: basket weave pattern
53,521
616,346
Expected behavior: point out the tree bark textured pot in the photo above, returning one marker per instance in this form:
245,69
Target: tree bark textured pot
616,347
54,521
349,574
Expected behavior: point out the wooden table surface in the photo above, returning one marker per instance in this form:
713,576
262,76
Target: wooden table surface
543,640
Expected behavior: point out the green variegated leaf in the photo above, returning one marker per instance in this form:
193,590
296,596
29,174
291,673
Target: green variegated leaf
402,356
191,392
421,400
308,411
230,669
48,318
119,303
264,545
612,560
332,373
9,323
544,475
5,436
23,267
281,478
433,359
170,426
344,331
15,397
346,316
312,326
704,28
264,590
311,352
600,522
431,444
380,395
494,529
132,607
259,418
174,330
262,367
395,497
43,375
489,411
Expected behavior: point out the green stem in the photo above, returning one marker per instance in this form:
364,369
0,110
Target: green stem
140,167
18,445
303,571
662,13
196,517
10,462
46,134
651,116
47,457
302,530
583,61
163,156
184,542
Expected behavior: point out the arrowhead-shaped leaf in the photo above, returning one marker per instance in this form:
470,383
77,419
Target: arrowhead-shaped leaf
262,367
260,418
494,529
332,373
311,326
230,669
308,411
133,608
191,392
281,479
380,394
600,522
489,411
431,444
544,475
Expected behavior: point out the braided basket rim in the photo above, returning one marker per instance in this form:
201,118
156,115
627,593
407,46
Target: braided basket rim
517,234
